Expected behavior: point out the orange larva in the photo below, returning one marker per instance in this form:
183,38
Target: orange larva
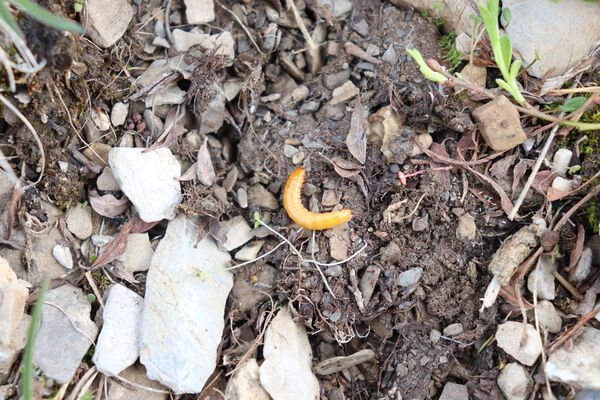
303,217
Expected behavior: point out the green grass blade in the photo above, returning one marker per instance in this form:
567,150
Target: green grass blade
27,378
46,17
8,18
514,69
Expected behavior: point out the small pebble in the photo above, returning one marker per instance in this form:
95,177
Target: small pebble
453,329
334,271
562,184
63,256
290,151
561,161
242,197
297,159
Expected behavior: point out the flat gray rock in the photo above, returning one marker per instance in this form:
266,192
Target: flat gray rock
107,20
410,277
148,180
541,27
199,11
245,384
118,344
136,374
286,372
138,253
182,321
106,181
237,232
454,391
514,382
60,347
577,364
79,221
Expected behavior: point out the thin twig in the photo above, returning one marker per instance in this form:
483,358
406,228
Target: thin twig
582,321
301,25
237,19
568,286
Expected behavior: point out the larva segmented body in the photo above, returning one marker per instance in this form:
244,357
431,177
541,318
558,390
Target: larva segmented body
303,217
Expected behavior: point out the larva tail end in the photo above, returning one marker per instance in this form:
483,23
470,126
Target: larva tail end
347,215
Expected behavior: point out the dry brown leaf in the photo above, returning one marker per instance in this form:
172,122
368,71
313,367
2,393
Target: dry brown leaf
543,180
140,226
216,232
189,174
114,249
357,137
173,128
518,173
505,201
108,205
204,166
578,249
501,167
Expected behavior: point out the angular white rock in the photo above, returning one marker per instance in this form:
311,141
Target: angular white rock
453,391
62,254
286,372
148,180
107,20
138,253
12,302
79,221
213,117
531,37
561,161
542,281
118,344
223,41
183,322
548,317
410,277
249,251
170,95
10,351
521,342
560,183
118,114
59,347
199,11
237,232
514,382
245,384
577,364
583,267
106,181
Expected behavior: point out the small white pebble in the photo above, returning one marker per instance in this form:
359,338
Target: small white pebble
63,256
561,161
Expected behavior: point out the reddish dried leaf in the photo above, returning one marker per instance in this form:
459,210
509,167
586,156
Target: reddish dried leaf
202,229
357,137
443,175
114,249
518,173
189,174
578,249
108,205
216,232
173,128
500,167
543,180
204,166
505,201
140,226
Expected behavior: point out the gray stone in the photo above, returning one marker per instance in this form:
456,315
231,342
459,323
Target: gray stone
106,181
199,11
514,382
212,118
171,94
118,345
334,271
66,333
40,261
107,20
79,221
237,232
161,68
547,316
62,254
499,124
13,295
576,19
137,375
372,50
463,43
368,282
118,114
390,56
337,364
138,253
286,373
339,8
232,88
259,196
362,27
520,341
183,313
577,364
331,81
584,266
588,395
148,180
11,350
101,240
300,93
309,107
543,281
154,123
344,93
222,41
561,161
290,151
249,251
409,277
245,384
242,197
466,229
453,329
454,391
101,119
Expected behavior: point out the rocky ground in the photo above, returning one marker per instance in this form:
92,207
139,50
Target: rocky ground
154,203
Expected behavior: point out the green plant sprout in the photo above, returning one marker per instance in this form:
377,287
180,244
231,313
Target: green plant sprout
502,48
452,54
40,14
28,369
424,68
574,169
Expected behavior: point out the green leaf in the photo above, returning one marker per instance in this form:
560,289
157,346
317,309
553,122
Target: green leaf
506,50
506,15
31,335
8,19
573,105
514,69
504,85
424,68
46,17
476,18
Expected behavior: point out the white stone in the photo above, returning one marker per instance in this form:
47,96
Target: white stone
62,254
224,41
583,267
169,95
249,251
453,329
138,253
561,161
12,302
245,384
548,317
212,118
237,232
79,221
101,240
106,181
339,8
410,277
286,373
577,364
454,391
10,351
118,114
463,43
560,183
199,11
544,284
107,20
520,341
514,382
118,345
101,119
60,347
161,68
182,321
154,123
148,180
538,27
232,88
